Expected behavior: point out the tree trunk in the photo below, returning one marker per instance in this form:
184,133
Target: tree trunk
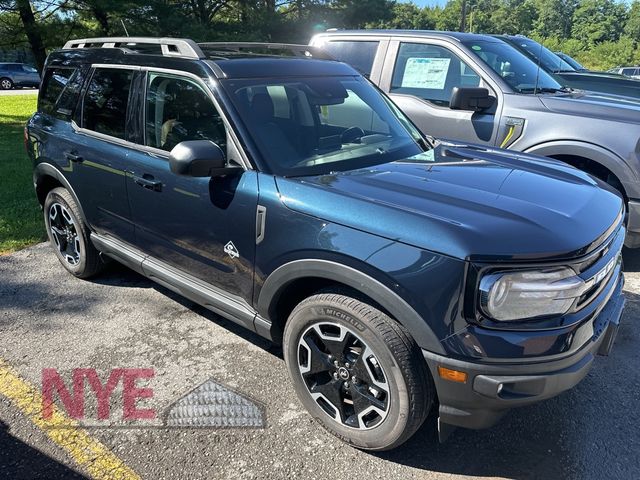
102,18
33,33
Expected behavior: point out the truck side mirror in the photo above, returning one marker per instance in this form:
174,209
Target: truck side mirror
475,99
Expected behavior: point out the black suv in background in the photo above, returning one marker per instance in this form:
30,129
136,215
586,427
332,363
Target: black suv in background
567,75
18,75
288,194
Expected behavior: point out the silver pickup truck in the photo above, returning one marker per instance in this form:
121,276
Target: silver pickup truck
479,89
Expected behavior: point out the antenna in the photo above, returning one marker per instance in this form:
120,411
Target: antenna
535,89
125,28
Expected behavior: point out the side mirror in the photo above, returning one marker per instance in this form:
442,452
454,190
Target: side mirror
198,158
475,99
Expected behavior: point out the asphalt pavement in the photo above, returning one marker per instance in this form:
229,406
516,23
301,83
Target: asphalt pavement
48,319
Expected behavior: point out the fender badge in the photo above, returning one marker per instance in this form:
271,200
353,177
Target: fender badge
231,250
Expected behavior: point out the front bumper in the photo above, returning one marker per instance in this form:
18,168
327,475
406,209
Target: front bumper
491,389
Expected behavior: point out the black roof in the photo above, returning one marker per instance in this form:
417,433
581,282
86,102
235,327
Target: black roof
256,67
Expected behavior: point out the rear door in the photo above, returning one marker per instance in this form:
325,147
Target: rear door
205,227
96,158
420,75
17,74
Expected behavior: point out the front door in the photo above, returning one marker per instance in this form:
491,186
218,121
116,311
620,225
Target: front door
205,227
421,82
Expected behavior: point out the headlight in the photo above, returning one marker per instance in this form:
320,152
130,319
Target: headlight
529,293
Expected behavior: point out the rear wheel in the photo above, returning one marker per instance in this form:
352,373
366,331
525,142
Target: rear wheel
6,83
357,371
69,236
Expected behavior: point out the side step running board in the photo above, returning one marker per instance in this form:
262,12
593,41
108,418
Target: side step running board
218,301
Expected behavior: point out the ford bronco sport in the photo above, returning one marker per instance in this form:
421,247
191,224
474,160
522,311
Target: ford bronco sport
286,193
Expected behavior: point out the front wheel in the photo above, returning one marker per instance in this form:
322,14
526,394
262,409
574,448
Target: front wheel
6,84
357,371
69,236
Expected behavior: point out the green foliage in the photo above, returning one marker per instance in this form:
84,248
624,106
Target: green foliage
600,33
596,21
20,216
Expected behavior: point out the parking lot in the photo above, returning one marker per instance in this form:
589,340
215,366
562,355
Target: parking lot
121,320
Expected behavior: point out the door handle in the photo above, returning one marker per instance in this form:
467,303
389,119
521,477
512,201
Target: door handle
147,181
73,157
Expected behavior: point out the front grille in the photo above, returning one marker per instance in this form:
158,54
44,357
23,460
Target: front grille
598,269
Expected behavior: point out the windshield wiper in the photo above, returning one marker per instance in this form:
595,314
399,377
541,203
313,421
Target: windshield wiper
545,90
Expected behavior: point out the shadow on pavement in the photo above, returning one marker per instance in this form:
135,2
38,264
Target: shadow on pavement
21,461
631,259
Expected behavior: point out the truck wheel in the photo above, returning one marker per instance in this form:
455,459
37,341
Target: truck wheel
357,372
69,235
6,84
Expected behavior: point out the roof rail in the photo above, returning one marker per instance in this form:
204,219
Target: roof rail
170,47
252,47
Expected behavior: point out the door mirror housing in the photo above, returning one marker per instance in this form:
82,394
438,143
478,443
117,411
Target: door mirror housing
198,158
475,99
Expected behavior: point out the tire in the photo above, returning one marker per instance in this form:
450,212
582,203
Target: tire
377,351
6,83
69,236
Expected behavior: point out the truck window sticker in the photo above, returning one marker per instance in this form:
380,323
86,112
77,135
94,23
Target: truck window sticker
428,73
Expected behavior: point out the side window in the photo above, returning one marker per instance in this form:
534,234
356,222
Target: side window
105,102
360,55
55,80
177,109
430,72
29,69
15,67
68,99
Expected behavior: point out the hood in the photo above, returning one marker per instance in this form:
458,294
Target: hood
595,105
468,202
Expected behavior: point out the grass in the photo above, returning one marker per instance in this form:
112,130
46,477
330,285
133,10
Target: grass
21,222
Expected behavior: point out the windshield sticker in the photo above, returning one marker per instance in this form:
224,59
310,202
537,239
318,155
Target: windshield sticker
426,73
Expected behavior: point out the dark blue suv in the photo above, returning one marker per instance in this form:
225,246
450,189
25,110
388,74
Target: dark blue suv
286,193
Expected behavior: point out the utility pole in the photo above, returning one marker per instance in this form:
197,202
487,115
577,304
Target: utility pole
463,16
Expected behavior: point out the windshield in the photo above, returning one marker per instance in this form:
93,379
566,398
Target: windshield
314,126
549,60
519,71
571,61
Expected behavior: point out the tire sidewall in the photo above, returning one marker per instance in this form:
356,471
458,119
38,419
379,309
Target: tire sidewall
2,80
395,423
57,197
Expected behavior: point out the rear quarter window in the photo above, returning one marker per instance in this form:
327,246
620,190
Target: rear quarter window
360,55
55,81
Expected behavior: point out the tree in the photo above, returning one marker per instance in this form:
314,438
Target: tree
513,17
358,13
596,21
632,28
32,32
554,18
